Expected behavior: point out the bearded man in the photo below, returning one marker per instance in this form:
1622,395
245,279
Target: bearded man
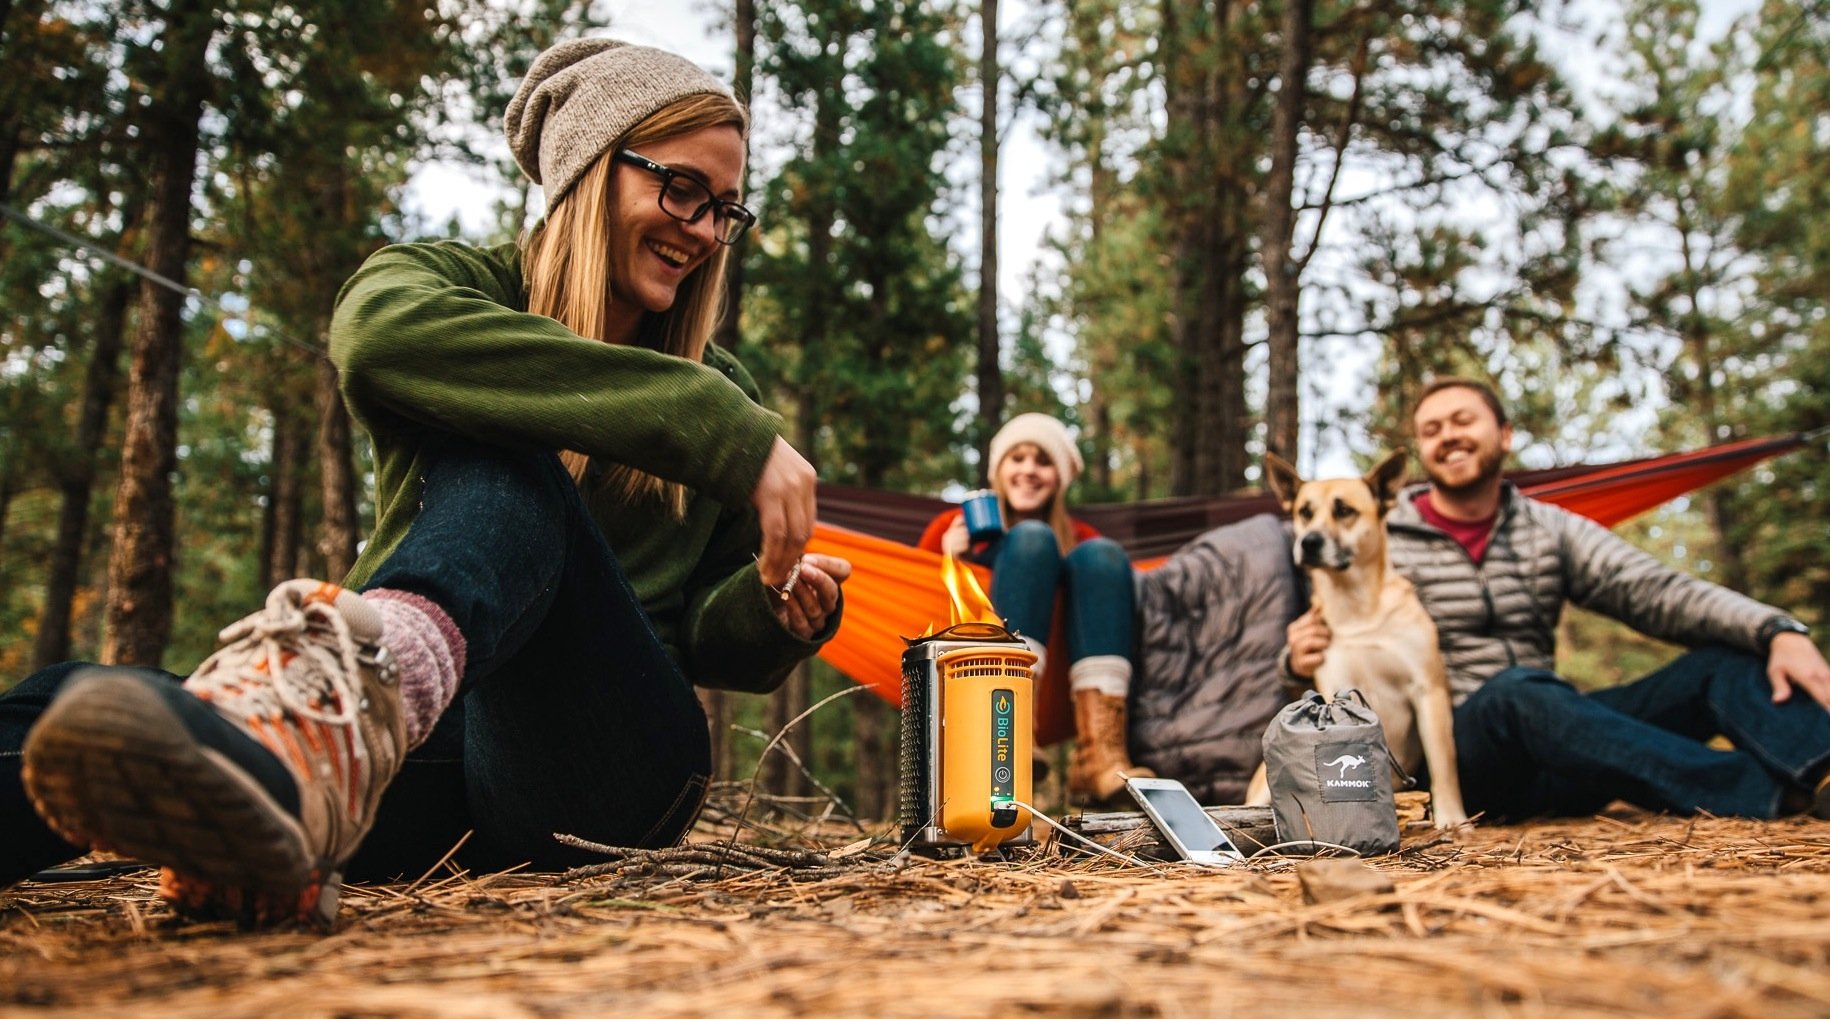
1494,569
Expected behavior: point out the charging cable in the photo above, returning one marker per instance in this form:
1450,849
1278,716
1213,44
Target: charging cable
1349,850
1147,865
1076,836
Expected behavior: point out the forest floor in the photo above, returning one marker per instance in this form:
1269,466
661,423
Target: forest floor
1622,914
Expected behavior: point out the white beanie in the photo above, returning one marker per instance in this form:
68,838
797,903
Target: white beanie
583,96
1048,435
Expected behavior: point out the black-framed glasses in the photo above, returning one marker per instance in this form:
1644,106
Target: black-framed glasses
686,198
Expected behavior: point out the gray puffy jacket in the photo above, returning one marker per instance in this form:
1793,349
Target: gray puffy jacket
1503,611
1211,625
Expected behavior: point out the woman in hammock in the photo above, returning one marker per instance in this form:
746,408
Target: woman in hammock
1044,551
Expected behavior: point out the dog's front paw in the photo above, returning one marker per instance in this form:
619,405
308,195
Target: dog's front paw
1452,823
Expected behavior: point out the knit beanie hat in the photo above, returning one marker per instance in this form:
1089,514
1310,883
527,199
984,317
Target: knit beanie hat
582,96
1049,435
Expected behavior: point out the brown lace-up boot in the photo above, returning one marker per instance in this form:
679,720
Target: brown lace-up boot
251,785
1100,762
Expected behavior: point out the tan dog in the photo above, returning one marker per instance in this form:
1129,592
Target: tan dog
1382,643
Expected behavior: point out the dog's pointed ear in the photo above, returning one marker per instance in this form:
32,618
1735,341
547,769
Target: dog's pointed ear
1386,479
1281,478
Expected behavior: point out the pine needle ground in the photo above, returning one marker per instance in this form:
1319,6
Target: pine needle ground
1622,914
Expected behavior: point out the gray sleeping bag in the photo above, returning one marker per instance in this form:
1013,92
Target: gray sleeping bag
1210,626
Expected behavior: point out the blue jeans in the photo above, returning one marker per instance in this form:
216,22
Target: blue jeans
1529,744
1095,581
572,717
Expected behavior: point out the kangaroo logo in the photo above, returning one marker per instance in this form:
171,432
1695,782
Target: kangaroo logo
1345,761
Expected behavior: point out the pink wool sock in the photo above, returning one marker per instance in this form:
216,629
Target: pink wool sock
430,651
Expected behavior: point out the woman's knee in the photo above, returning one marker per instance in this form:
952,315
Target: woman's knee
1032,538
474,478
1099,557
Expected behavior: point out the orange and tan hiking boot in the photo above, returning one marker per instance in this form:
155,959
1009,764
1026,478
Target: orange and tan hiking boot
254,782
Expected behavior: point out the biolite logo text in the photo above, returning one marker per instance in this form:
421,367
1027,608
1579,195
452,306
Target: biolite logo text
1003,743
1346,771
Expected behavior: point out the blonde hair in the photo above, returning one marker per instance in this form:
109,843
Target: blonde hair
569,274
1057,515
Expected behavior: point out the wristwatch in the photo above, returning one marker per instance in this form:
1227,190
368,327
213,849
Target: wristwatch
1776,626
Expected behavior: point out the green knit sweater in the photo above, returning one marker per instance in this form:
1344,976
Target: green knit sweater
435,339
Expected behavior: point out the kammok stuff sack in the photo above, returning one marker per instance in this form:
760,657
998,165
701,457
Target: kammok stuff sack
1330,774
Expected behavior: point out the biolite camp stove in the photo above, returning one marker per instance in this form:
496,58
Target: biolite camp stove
967,733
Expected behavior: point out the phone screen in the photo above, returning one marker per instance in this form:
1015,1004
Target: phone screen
1177,810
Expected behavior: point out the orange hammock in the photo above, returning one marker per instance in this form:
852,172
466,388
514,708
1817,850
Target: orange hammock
895,589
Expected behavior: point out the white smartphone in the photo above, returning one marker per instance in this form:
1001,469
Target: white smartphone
1188,828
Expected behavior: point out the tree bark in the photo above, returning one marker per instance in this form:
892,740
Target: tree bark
780,775
1697,339
1283,420
718,717
1207,223
338,532
990,376
8,489
284,525
139,573
729,332
876,794
77,483
12,115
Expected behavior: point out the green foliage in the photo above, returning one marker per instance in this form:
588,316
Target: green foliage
1776,185
856,316
1664,243
317,112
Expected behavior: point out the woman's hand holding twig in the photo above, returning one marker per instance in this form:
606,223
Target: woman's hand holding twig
814,595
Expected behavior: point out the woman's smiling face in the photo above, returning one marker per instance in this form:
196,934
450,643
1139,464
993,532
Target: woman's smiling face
1029,481
652,252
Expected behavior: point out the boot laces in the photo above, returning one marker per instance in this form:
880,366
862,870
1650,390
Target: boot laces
290,657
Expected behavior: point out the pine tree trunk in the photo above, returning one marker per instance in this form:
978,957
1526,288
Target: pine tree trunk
800,697
1206,93
730,320
876,771
990,376
77,485
719,709
139,574
1697,338
284,525
7,491
780,775
339,531
1283,420
13,24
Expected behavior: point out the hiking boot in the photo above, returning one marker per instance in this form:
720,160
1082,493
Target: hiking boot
254,782
1100,762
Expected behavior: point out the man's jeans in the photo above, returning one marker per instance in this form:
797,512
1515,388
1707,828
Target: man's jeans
572,717
1528,744
1095,580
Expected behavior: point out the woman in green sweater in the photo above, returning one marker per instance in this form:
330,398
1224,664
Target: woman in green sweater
581,510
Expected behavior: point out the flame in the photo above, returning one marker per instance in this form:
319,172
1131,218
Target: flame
968,602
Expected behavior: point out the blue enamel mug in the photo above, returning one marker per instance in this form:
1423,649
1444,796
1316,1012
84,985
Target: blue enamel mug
983,521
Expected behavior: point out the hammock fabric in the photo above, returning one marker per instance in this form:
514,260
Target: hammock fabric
895,589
